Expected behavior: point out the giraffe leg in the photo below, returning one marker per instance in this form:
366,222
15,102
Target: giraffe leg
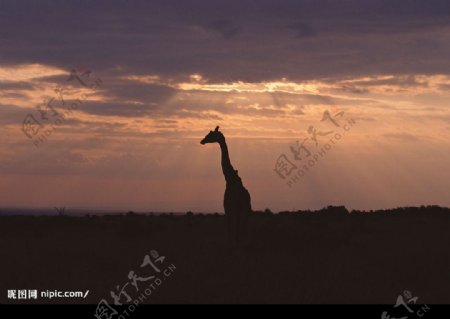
236,230
229,228
241,228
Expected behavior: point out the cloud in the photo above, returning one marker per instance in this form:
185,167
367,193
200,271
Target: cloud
164,38
115,109
225,27
407,81
302,30
403,136
151,94
10,114
17,85
263,70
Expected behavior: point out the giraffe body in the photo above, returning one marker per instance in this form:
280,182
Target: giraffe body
237,200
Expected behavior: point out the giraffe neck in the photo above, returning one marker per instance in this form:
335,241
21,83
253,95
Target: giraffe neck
227,169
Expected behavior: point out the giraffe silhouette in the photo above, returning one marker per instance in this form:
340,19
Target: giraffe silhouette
237,201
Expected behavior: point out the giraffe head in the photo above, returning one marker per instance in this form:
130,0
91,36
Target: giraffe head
213,137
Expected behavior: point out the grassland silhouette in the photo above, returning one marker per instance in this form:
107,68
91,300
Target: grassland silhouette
325,256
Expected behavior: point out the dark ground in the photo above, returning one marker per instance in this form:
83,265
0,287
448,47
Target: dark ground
322,257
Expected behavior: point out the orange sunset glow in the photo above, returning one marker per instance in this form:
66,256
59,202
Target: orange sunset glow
133,141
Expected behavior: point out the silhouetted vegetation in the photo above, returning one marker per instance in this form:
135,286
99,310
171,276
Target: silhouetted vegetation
325,256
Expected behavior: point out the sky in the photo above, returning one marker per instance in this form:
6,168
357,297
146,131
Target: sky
103,103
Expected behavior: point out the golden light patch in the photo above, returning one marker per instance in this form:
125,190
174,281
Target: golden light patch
148,79
380,84
245,87
27,72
